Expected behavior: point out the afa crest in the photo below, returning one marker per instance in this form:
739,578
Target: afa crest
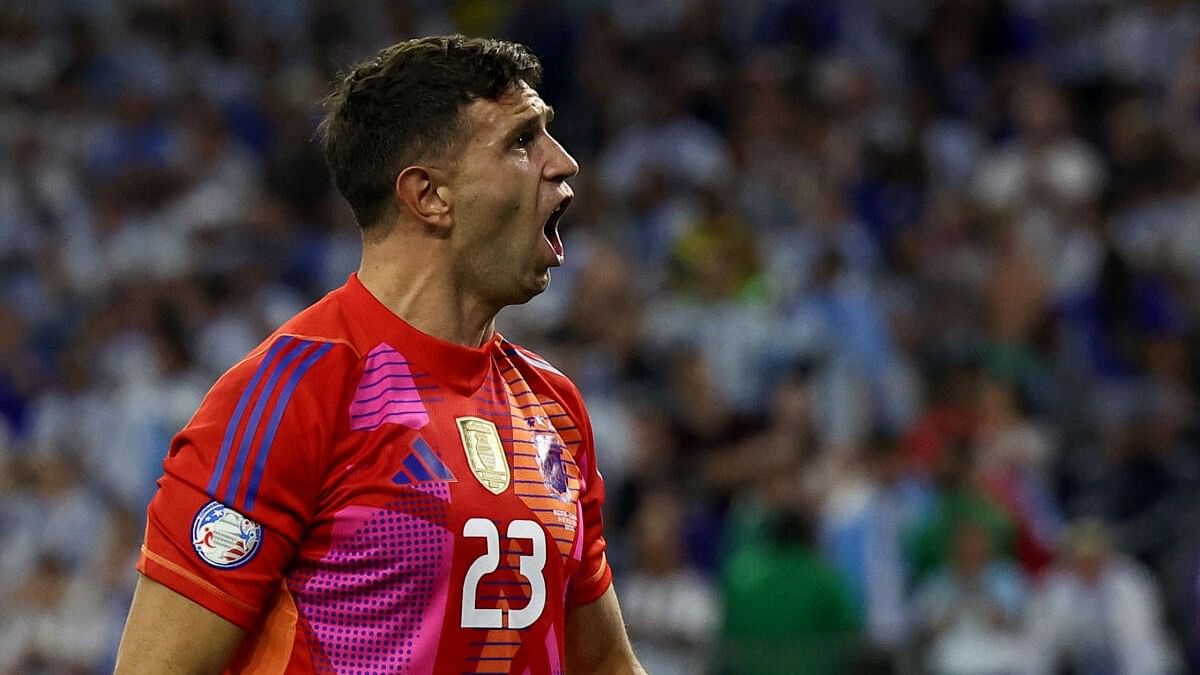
549,451
485,453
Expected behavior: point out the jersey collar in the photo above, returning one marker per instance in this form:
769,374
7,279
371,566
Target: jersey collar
458,366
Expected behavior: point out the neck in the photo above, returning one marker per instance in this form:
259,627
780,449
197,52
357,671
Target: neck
411,278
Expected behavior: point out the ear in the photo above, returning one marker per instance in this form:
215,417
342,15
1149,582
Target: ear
423,192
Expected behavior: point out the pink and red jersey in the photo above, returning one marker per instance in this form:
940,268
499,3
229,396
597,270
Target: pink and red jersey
364,498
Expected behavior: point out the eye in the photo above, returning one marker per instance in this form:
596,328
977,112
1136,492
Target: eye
524,139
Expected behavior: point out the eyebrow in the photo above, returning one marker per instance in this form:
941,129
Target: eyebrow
546,116
530,122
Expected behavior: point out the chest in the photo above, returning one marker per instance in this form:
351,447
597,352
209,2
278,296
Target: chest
504,453
444,514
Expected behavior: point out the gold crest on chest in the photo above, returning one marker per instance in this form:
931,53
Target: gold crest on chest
485,453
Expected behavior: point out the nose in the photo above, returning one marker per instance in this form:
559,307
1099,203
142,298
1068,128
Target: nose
561,165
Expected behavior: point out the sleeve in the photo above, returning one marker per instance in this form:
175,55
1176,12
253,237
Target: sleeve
594,576
241,481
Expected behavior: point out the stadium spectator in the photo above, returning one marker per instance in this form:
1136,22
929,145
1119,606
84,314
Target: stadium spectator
1099,612
971,613
975,223
671,607
863,524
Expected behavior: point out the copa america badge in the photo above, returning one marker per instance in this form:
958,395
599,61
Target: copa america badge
223,537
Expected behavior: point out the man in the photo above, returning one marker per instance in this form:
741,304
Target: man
1099,611
364,492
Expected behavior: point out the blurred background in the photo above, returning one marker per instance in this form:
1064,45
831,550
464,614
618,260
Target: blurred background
887,311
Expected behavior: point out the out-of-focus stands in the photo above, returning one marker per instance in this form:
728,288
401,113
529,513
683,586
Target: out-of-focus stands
887,313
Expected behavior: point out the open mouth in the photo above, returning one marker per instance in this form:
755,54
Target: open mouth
550,229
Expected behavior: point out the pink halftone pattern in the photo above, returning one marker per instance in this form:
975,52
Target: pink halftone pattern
552,652
387,393
577,553
375,603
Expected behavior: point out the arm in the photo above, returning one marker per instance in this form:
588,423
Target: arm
168,634
596,639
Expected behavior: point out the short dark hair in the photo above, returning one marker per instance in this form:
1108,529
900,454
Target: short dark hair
402,106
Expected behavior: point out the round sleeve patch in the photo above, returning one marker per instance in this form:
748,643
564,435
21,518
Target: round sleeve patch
223,537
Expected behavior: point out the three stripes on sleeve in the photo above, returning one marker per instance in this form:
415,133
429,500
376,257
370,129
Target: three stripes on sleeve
251,431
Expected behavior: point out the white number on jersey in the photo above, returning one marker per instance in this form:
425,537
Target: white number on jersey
531,568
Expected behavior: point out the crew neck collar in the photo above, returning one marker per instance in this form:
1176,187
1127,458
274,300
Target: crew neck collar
459,366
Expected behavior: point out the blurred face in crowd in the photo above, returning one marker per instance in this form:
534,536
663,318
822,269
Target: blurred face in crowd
508,190
1089,565
656,533
972,550
1089,548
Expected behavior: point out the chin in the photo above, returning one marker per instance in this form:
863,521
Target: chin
535,287
529,290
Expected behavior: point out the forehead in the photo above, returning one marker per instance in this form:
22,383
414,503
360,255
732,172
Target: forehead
516,106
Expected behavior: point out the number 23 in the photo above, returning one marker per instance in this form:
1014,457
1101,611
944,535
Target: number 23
531,568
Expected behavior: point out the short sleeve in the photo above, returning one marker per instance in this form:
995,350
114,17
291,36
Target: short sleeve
242,480
594,576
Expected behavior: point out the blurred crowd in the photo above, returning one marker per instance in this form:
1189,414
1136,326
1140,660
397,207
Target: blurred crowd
887,312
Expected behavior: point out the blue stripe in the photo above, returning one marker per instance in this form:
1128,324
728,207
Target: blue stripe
432,459
402,362
232,427
401,478
264,448
394,414
235,477
416,469
391,389
391,376
384,405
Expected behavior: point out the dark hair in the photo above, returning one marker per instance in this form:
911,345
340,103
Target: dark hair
402,106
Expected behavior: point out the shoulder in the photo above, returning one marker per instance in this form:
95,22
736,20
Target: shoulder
524,356
322,332
283,367
327,321
1129,574
539,370
312,353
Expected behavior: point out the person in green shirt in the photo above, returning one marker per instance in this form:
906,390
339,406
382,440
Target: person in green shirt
929,543
786,608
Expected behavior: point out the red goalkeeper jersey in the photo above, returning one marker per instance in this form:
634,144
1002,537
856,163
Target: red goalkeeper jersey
364,498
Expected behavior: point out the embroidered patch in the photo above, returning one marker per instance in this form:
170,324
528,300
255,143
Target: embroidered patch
223,537
485,453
